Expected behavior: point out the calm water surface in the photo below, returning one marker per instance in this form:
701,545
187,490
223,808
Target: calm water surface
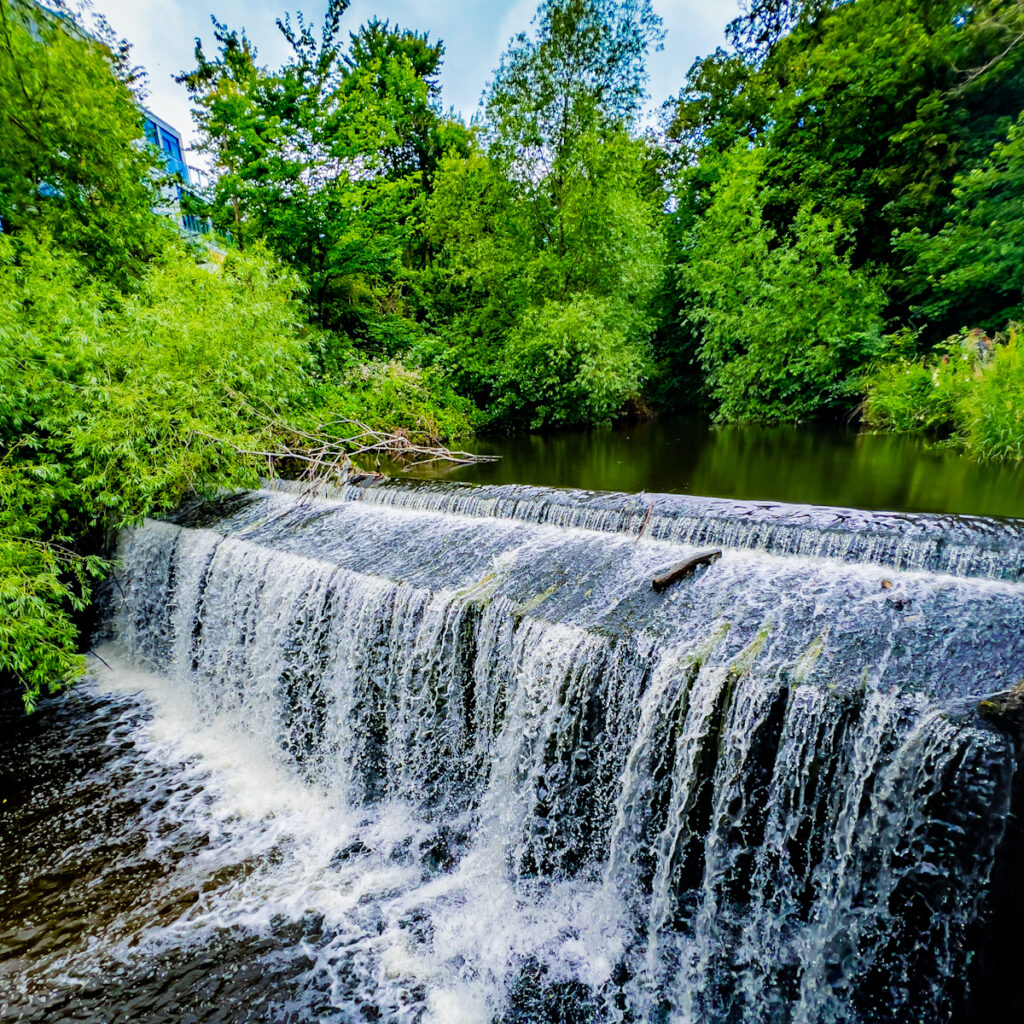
791,464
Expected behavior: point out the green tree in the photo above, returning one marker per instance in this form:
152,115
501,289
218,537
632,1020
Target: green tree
329,159
885,100
114,406
556,228
972,270
783,319
133,370
70,134
864,113
867,108
583,70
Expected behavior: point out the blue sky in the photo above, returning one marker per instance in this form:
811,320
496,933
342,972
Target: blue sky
475,36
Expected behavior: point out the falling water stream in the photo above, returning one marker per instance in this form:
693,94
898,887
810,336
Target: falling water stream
439,753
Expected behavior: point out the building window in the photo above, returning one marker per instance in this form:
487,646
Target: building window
171,147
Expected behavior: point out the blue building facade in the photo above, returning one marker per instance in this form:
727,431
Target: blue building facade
168,140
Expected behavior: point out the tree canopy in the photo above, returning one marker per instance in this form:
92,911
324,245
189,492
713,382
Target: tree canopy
136,367
69,138
549,239
329,159
873,115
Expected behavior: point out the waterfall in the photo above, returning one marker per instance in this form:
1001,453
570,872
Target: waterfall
764,795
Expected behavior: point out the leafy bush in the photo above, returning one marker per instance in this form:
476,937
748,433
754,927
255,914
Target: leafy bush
113,407
969,387
568,363
43,583
393,397
994,408
134,395
908,394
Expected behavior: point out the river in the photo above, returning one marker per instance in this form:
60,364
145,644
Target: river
795,464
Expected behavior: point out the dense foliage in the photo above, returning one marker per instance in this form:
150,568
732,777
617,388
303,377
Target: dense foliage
884,123
783,321
841,174
134,369
67,132
972,269
519,265
971,388
330,160
549,246
830,221
116,405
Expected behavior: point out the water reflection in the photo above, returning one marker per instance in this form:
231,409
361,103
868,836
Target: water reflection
792,464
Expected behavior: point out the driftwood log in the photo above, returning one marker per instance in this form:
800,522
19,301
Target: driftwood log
683,569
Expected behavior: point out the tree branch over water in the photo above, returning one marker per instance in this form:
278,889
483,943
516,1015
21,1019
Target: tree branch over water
327,453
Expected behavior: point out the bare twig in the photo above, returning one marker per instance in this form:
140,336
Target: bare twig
327,457
976,73
646,522
362,440
92,651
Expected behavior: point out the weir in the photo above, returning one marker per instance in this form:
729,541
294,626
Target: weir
765,794
957,544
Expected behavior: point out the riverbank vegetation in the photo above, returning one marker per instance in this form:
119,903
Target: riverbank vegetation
824,222
846,184
137,367
832,194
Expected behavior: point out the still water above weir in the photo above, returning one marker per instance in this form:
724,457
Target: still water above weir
797,464
439,754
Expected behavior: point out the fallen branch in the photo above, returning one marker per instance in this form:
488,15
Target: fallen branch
685,568
99,657
364,440
326,456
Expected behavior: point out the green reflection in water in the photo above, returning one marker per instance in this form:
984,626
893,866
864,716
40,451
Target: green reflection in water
791,464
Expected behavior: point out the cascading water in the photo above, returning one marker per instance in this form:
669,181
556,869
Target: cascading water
961,545
450,758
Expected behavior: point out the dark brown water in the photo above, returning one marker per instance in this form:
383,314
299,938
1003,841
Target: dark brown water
103,860
803,465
